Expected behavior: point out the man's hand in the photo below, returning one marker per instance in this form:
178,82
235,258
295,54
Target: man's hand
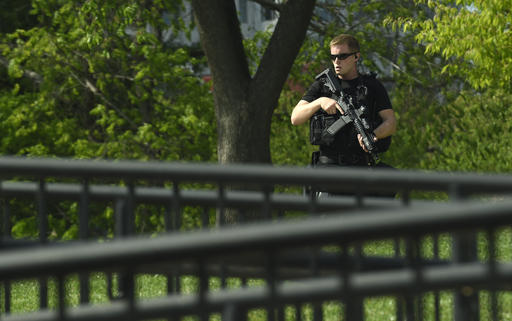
330,106
360,139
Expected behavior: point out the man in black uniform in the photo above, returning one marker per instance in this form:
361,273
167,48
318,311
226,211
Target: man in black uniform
346,147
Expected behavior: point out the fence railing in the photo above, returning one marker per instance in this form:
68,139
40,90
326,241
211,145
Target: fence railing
300,258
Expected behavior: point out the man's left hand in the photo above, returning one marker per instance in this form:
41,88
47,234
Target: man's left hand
360,139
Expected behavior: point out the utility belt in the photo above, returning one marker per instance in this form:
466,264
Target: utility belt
340,159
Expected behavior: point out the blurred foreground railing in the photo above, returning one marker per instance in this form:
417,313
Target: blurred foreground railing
303,253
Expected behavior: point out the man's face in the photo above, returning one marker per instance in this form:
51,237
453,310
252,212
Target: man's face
345,63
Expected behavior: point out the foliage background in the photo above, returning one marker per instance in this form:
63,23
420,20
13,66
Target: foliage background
91,79
74,84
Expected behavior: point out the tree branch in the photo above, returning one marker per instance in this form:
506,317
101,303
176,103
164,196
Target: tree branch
90,86
95,91
221,39
397,67
32,75
284,44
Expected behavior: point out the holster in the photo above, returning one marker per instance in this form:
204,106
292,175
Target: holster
315,158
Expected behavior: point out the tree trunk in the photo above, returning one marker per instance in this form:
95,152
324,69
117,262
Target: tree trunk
244,104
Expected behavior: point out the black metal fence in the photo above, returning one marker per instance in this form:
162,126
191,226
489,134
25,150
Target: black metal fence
246,243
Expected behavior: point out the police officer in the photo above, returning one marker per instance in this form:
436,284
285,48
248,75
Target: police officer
347,148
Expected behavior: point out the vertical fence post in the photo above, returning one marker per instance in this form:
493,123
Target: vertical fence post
437,296
43,237
5,236
221,206
176,206
3,220
202,274
232,312
315,272
298,312
357,302
464,249
220,220
466,298
271,280
412,257
205,218
83,225
491,236
266,209
349,265
406,197
172,223
61,292
120,231
125,226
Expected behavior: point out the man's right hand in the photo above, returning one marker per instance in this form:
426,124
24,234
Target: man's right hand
330,106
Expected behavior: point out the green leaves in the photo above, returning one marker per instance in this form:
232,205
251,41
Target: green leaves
107,79
476,33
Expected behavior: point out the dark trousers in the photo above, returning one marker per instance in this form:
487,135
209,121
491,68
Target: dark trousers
329,161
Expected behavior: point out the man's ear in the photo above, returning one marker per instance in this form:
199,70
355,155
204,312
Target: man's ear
357,56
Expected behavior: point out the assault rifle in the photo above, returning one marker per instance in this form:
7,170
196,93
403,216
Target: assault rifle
352,115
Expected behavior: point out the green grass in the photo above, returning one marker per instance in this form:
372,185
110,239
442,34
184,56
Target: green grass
25,293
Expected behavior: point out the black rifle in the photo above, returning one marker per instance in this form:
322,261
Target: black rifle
352,115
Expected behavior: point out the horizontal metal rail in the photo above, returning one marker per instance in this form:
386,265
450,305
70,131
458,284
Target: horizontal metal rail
203,246
338,229
196,197
260,175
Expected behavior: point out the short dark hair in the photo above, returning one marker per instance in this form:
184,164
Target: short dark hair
343,38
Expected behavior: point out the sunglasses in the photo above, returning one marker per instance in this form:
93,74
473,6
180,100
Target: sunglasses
342,56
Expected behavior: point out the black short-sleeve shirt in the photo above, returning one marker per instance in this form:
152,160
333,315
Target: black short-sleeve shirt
376,99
